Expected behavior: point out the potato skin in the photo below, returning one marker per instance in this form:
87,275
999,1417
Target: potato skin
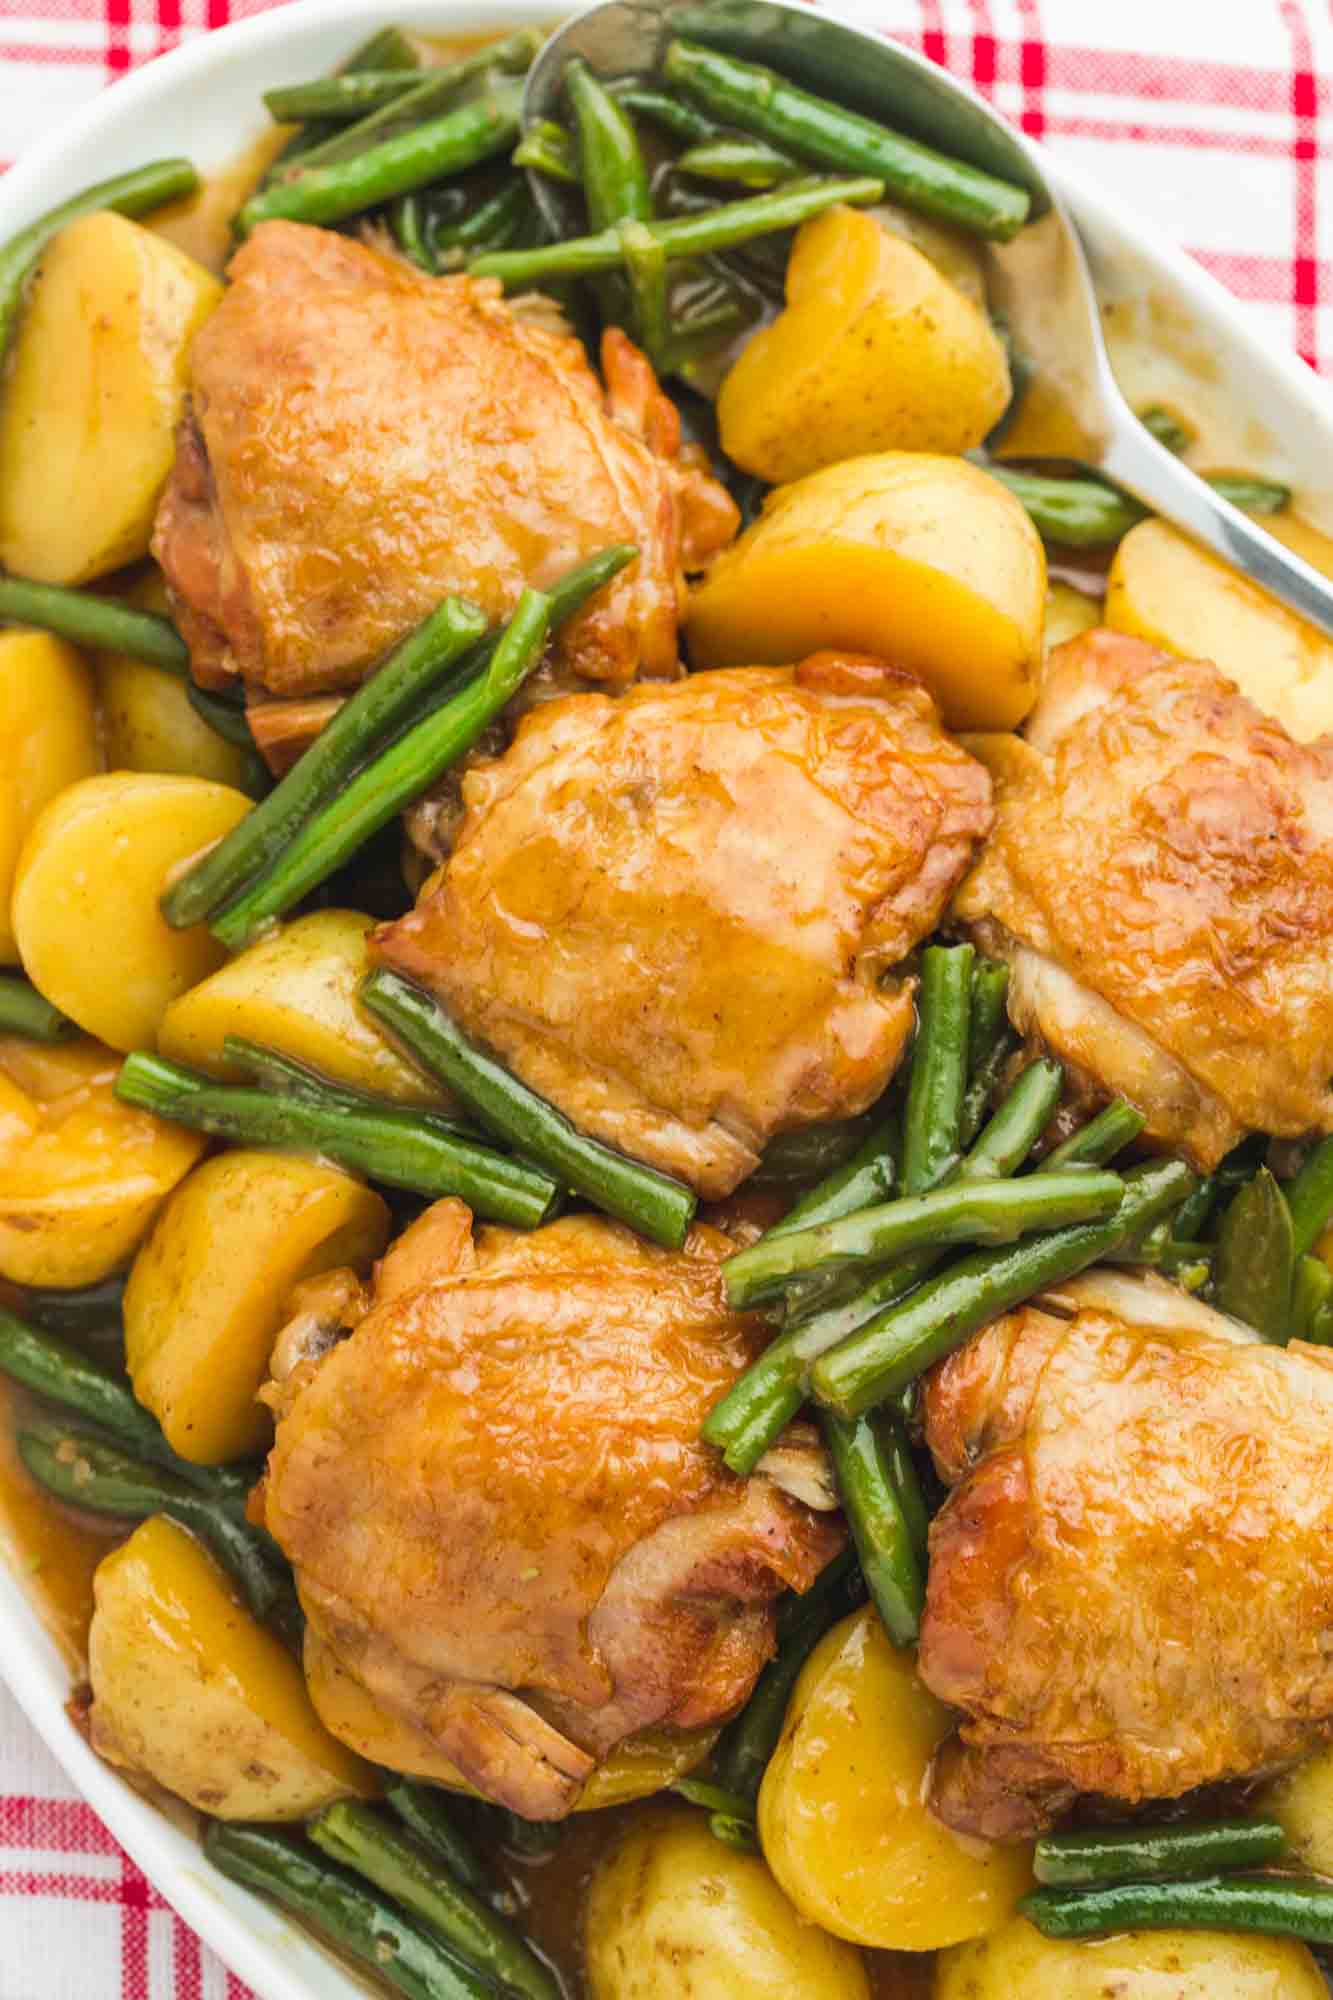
842,1814
875,351
1163,589
673,1914
189,1689
295,990
81,1175
86,894
48,740
1140,1965
207,1293
924,561
92,397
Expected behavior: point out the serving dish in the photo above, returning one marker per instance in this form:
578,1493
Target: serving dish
204,100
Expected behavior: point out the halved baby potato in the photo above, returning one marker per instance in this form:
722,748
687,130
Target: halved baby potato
90,878
875,351
190,1690
843,1819
92,396
48,740
147,721
208,1291
81,1175
1138,1965
924,561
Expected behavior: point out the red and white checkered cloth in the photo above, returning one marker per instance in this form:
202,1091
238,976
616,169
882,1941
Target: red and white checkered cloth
1212,117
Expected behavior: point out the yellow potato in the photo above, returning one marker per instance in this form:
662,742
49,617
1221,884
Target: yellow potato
85,909
1301,1800
1164,589
295,990
191,1691
81,1175
673,1914
147,721
926,561
634,1770
1068,612
875,351
842,1813
48,740
952,251
1018,1962
93,394
207,1293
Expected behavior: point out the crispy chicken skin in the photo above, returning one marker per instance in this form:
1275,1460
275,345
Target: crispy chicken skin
1160,878
1130,1584
499,1512
365,440
678,914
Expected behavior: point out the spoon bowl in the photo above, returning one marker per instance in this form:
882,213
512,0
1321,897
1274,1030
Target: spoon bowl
1040,283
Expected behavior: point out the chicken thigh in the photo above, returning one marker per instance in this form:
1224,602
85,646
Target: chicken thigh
1130,1583
365,440
500,1516
1160,879
680,915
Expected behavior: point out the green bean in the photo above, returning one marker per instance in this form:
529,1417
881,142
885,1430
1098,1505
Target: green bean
490,222
432,90
611,164
718,228
892,1433
1019,1122
50,1367
868,1176
388,1143
972,1210
1145,1853
394,778
749,162
87,620
548,149
646,269
1165,426
901,1342
988,1043
1278,1905
449,144
762,102
1190,1218
878,1524
296,1079
339,98
409,232
135,193
1309,1197
1311,1299
1255,1255
1251,495
424,1811
387,50
226,719
648,1201
360,1924
746,1745
86,1310
671,113
363,1839
939,1066
83,1470
1080,513
1097,1143
380,704
812,1152
24,1011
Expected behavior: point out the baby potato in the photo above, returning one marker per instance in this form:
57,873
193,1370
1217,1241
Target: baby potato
1137,1965
207,1293
295,990
190,1690
842,1813
48,740
924,561
875,351
1164,589
92,397
86,894
673,1914
81,1175
1301,1801
147,721
1068,612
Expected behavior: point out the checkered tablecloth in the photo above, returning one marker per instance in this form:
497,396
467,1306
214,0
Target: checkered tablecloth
1212,117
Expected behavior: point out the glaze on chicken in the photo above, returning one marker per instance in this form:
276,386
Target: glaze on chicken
681,915
501,1518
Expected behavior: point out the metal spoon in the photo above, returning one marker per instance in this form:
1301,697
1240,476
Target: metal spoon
1040,282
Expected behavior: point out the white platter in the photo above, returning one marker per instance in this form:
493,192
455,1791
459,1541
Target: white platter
204,101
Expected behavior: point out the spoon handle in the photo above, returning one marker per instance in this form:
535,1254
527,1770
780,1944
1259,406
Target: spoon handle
1134,459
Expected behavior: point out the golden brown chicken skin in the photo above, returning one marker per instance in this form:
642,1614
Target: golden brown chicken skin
501,1518
679,914
365,440
1131,1584
1160,879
